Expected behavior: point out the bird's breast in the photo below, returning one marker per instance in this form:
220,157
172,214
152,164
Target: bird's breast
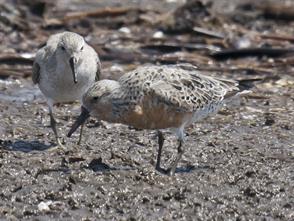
153,115
59,84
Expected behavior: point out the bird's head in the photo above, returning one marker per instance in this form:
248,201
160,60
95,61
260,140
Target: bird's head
69,49
97,102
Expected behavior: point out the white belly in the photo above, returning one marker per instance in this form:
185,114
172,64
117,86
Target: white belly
206,111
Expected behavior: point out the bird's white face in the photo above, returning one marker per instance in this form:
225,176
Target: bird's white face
70,50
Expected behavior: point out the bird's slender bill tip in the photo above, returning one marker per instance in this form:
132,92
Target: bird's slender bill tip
81,119
72,62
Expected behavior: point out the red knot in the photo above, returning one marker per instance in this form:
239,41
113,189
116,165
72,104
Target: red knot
157,97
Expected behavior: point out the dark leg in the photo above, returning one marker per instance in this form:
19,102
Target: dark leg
81,133
174,164
53,126
160,144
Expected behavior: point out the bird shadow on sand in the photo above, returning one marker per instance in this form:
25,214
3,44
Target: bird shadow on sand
26,146
183,169
98,166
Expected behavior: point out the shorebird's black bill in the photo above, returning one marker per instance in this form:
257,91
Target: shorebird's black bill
73,69
81,119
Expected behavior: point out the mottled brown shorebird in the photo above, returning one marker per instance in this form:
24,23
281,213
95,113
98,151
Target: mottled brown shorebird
157,97
64,69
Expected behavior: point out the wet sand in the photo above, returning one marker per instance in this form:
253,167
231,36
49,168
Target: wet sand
238,165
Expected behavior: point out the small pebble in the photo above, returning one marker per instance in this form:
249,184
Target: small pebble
125,30
158,34
44,206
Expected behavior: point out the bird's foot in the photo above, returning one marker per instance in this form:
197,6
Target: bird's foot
59,146
171,171
80,139
161,170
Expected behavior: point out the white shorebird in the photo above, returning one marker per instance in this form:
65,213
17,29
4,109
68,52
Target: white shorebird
64,69
157,97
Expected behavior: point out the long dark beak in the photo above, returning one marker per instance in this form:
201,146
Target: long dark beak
81,119
72,62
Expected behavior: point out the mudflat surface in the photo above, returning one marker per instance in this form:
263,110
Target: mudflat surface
238,165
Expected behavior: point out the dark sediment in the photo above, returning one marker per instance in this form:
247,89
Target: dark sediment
238,165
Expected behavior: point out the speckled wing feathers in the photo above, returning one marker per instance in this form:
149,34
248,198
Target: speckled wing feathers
183,88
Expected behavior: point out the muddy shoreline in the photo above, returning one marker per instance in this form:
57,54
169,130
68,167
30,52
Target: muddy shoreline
238,165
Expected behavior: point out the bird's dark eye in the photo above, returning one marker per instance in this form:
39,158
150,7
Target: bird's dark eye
62,48
95,98
82,48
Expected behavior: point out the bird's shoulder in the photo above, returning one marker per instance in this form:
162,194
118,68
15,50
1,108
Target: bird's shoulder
46,52
91,53
44,57
40,59
54,40
36,72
